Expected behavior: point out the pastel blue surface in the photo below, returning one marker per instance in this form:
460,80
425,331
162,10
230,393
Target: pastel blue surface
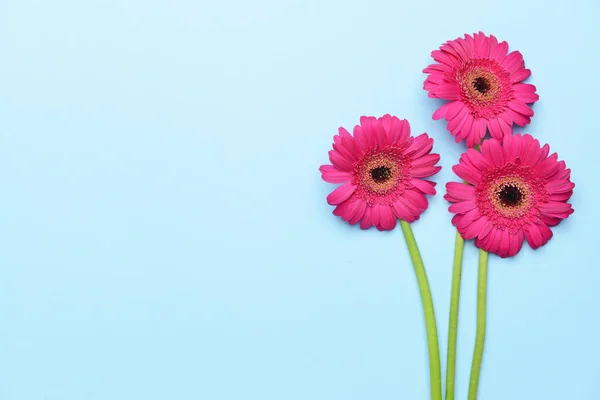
163,226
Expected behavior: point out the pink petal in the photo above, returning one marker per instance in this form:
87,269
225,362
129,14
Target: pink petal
495,129
505,127
447,91
470,43
525,92
548,166
456,191
417,199
365,222
492,150
534,236
460,49
399,131
348,209
387,218
362,141
343,132
345,152
546,233
474,228
341,194
521,108
492,44
462,207
442,57
492,244
520,75
424,186
379,132
339,161
463,131
543,154
504,248
386,123
435,68
332,175
477,132
513,62
531,150
367,126
459,119
454,110
512,148
556,209
561,197
475,159
536,154
510,116
550,221
411,207
516,243
441,112
428,160
479,39
471,175
537,235
421,145
486,229
403,212
424,172
361,206
457,219
501,51
450,50
468,219
375,214
349,143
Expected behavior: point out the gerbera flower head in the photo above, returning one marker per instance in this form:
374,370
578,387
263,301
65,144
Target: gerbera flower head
483,82
513,191
381,168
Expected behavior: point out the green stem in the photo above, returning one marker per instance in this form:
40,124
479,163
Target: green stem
435,375
453,320
480,335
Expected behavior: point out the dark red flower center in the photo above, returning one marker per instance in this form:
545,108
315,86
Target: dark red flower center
510,195
381,174
481,84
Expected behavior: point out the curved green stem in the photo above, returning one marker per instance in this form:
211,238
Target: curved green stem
453,320
480,335
435,375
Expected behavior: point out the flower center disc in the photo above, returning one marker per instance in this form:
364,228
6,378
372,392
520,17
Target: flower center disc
485,86
481,84
381,174
510,196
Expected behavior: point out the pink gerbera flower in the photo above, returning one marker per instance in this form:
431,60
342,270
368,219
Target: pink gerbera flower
483,83
514,191
381,167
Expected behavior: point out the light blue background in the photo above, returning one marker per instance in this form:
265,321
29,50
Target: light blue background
163,226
